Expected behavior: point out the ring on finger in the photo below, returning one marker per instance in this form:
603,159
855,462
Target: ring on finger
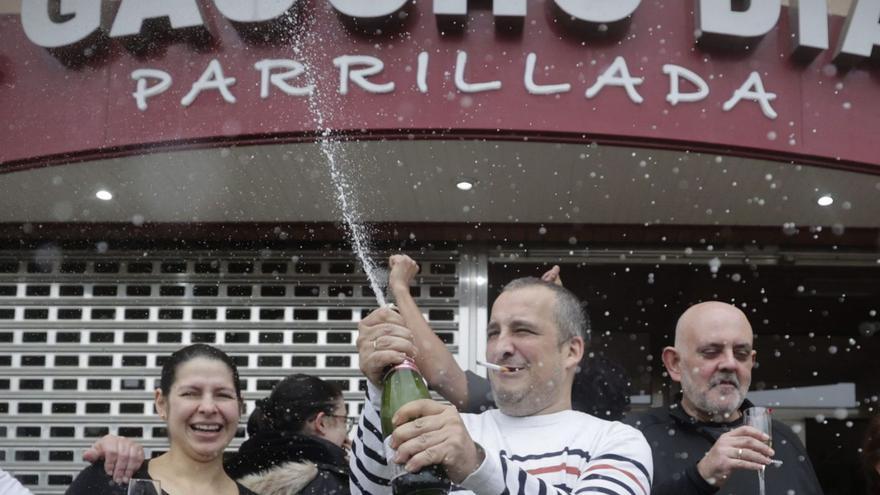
374,343
739,453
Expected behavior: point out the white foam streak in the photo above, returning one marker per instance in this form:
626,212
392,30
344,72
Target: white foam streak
330,147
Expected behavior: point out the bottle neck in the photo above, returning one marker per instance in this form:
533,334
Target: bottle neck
407,364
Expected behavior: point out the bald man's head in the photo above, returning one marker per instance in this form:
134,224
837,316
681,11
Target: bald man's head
705,315
713,360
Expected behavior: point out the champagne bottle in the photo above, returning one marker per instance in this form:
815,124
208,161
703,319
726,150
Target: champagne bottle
401,385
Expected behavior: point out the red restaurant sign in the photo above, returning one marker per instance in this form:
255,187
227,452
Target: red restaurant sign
79,81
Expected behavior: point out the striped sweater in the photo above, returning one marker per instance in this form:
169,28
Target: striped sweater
567,452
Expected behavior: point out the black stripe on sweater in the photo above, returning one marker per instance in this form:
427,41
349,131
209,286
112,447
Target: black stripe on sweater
565,451
615,457
356,483
372,429
370,476
610,480
597,489
542,487
504,473
521,478
372,454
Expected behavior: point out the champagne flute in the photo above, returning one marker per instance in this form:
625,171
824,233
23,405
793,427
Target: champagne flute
759,419
142,486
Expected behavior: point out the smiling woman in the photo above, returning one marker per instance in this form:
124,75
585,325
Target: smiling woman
199,398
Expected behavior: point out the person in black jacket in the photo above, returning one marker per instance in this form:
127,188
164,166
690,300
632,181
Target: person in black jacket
699,444
297,441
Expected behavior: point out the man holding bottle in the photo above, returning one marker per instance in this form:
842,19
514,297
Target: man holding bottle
534,443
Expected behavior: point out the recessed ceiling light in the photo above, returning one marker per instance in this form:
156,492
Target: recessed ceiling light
825,200
465,184
104,195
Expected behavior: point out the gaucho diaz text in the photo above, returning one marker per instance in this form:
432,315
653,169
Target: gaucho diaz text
63,24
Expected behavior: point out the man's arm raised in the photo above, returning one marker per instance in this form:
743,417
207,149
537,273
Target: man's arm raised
436,363
434,360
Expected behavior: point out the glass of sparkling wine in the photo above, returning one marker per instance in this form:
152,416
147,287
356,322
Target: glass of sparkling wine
759,419
140,486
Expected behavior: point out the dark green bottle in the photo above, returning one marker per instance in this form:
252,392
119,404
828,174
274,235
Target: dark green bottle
403,384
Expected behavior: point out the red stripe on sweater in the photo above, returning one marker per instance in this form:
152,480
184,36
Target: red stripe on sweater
552,469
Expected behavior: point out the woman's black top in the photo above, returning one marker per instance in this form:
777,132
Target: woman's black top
94,481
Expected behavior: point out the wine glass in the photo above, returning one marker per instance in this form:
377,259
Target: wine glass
759,419
142,486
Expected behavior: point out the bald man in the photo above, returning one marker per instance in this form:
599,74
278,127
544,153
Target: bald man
699,444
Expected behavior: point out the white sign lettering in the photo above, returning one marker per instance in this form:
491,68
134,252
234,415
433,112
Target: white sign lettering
279,80
466,87
753,90
359,76
371,9
861,34
719,18
599,11
811,36
676,73
715,19
41,30
143,92
540,89
132,14
356,69
422,72
618,75
458,9
212,78
253,11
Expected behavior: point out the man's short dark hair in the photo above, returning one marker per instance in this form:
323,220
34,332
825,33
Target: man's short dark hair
571,318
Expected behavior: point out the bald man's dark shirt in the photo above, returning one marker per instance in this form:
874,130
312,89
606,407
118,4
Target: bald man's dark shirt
679,442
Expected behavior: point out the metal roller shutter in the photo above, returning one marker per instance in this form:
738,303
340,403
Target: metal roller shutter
83,335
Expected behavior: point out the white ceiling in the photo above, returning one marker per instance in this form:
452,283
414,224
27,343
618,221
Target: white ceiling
414,181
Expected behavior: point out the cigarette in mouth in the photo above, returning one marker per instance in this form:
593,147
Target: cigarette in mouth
497,367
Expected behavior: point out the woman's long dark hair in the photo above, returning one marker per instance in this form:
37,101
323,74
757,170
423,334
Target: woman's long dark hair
293,401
